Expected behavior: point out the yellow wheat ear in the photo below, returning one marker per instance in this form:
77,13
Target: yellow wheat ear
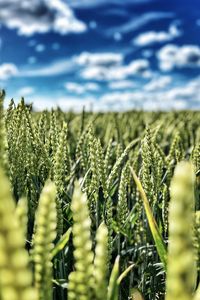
100,262
15,276
21,212
181,256
136,294
46,221
81,283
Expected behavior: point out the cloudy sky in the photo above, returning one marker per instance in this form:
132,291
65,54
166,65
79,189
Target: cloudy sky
103,54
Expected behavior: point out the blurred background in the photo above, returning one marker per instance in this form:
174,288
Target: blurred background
102,54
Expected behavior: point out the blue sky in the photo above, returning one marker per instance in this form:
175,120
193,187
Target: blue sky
103,54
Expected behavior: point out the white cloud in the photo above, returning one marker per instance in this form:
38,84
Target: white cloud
172,56
158,83
91,3
189,91
103,66
139,21
26,91
36,16
8,70
75,63
69,103
77,88
103,59
152,37
122,97
184,96
74,87
89,66
139,67
121,84
55,68
85,63
163,100
76,104
91,86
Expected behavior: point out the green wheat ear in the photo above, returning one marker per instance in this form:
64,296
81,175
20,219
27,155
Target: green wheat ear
81,281
181,267
15,276
45,234
61,172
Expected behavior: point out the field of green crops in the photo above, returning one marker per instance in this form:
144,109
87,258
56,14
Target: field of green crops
99,206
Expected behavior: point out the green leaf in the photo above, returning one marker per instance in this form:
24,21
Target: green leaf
113,284
160,245
115,280
125,273
61,283
61,243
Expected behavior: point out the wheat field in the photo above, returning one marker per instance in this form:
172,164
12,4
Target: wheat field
99,206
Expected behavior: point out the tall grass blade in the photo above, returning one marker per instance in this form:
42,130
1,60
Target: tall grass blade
160,245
